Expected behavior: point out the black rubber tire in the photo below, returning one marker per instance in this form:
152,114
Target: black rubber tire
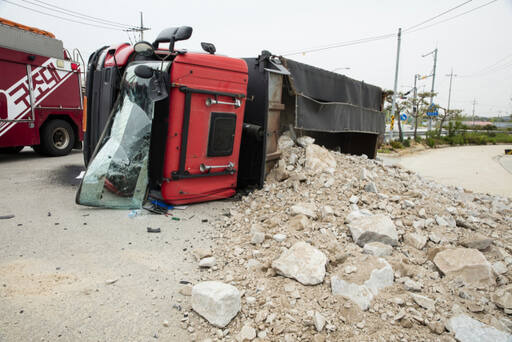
37,149
11,150
57,138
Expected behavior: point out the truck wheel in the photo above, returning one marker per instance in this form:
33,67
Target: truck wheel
11,150
57,138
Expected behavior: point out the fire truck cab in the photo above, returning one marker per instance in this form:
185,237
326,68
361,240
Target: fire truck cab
40,92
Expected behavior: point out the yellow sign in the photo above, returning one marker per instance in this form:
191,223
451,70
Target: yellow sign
392,124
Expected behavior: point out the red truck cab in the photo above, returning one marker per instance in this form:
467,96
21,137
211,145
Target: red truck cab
40,92
175,124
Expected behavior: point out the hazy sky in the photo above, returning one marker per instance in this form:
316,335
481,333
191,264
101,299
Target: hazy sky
477,45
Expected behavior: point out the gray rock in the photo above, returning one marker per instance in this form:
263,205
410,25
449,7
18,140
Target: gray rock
305,141
469,264
441,221
302,262
419,224
306,209
376,228
279,237
362,295
207,262
503,297
415,240
422,213
280,172
319,159
247,333
319,321
408,204
364,174
499,267
285,142
411,285
467,329
257,238
353,199
371,187
424,302
253,264
378,249
477,241
217,302
356,214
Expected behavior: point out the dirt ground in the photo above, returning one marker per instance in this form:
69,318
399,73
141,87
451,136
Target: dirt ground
478,168
70,273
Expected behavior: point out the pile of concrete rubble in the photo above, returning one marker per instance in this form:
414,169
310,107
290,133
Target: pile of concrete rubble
343,248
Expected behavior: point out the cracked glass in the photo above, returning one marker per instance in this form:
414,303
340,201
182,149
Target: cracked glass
117,176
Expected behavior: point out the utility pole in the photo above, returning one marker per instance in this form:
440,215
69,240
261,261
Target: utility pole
415,105
433,83
140,29
393,102
451,74
474,103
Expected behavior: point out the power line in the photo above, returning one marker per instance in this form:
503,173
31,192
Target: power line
341,44
77,15
62,18
437,16
455,16
84,15
492,68
414,28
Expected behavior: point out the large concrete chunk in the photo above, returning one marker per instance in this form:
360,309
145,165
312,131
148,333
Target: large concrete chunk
477,241
302,262
467,329
376,228
319,159
415,240
503,298
378,249
307,209
362,294
469,264
217,302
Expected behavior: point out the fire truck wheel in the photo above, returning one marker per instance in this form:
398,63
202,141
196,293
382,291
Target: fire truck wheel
11,150
57,138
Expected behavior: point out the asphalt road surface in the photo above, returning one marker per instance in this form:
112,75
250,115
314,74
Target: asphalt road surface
483,169
70,273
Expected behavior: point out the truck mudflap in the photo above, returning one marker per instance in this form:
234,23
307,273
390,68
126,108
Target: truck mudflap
117,175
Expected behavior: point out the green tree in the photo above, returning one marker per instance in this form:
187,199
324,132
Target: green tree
400,106
446,115
417,108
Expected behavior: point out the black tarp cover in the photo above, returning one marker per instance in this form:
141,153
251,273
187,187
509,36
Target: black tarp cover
329,102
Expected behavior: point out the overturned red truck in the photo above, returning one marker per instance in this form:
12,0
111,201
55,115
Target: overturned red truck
184,127
40,92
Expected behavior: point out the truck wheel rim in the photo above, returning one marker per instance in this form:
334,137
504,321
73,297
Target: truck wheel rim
60,138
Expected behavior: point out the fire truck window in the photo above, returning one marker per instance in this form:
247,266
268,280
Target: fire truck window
222,134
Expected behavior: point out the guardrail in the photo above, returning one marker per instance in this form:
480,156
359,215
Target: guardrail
410,133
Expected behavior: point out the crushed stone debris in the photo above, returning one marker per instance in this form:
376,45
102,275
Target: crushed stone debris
314,196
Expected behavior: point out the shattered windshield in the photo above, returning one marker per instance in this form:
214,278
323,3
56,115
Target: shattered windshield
117,176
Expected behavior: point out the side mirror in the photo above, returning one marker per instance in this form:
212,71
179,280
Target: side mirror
172,35
144,48
183,33
208,47
143,71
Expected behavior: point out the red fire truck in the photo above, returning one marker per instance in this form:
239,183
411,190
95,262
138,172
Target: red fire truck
40,92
